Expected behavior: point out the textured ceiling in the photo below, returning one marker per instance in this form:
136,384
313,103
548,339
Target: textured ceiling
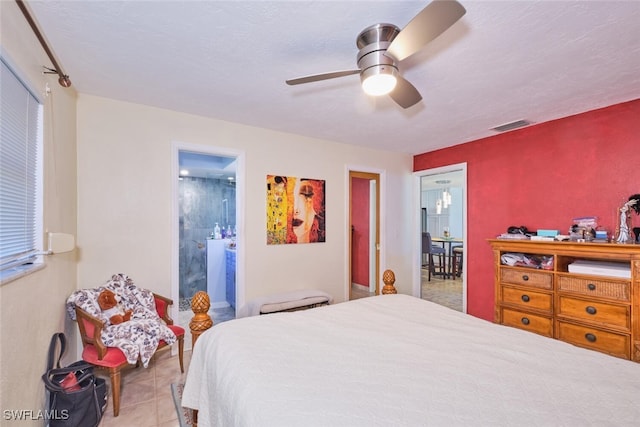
503,61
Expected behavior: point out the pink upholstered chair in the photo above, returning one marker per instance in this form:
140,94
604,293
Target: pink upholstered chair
112,358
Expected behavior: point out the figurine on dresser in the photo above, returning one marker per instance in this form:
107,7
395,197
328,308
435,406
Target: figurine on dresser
636,209
623,229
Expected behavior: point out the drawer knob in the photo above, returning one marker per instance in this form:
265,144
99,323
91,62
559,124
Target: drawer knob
525,321
525,277
525,298
590,337
591,310
591,287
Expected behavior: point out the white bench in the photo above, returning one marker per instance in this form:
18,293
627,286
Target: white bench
287,301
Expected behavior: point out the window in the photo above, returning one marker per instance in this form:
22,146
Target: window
20,176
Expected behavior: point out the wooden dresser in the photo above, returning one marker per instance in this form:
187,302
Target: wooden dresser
601,313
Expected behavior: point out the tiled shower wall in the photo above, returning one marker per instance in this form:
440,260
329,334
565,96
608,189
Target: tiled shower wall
201,205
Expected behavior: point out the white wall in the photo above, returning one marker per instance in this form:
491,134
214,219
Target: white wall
125,196
32,307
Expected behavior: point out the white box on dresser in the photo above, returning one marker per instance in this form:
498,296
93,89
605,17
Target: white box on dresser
601,268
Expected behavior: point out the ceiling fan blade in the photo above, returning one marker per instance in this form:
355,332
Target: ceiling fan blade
432,21
405,94
323,76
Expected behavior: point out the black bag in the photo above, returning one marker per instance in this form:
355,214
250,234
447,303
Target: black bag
77,398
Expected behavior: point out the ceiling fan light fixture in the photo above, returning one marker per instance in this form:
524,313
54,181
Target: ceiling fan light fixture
382,46
379,80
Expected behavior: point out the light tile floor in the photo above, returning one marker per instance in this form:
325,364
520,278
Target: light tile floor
445,292
145,394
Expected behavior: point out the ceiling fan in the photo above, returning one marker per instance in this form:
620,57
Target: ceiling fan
383,46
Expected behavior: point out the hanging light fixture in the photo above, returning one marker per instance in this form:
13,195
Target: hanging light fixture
445,200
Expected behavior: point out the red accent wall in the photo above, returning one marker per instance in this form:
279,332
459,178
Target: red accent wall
542,176
360,238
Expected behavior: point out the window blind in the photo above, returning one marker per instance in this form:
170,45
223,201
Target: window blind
20,122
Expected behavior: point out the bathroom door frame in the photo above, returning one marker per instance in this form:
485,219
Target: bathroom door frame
176,148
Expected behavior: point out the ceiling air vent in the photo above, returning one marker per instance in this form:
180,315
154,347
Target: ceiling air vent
513,125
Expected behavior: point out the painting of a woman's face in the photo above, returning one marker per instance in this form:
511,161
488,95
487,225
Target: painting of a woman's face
303,211
295,210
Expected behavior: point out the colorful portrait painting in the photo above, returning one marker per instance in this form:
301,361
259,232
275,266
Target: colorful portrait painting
295,210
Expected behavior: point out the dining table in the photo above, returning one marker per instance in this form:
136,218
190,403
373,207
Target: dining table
448,245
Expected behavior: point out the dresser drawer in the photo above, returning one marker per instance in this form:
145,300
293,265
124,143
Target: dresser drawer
593,311
527,321
597,288
527,298
595,339
534,278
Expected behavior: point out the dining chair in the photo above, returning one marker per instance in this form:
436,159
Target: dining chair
457,254
428,252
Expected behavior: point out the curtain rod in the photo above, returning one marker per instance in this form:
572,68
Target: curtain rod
64,79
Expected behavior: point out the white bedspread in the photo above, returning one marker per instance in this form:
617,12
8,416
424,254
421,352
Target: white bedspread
396,360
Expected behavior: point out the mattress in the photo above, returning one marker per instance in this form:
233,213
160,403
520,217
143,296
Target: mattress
402,361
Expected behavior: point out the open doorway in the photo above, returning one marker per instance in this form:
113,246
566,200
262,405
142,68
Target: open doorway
207,229
364,236
442,214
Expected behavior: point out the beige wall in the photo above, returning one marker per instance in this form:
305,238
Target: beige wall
125,198
32,308
115,194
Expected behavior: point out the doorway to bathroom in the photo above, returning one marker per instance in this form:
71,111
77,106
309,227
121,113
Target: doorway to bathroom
206,222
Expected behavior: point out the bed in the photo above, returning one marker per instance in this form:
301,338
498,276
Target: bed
402,361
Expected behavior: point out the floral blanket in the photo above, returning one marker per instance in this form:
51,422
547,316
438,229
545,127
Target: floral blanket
137,338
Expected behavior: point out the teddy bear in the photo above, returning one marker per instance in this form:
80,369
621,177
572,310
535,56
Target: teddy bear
108,303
